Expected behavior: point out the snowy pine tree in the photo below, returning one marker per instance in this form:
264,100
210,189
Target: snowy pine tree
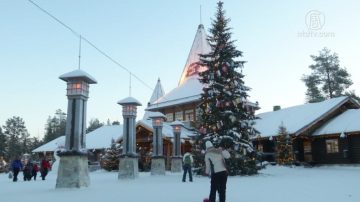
226,119
284,150
110,160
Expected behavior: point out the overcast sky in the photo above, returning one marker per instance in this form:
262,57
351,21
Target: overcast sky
152,39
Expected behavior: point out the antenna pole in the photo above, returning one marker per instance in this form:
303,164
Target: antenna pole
130,85
79,51
200,15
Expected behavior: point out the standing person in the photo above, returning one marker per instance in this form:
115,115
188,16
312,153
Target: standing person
45,166
215,167
187,165
35,170
28,168
16,166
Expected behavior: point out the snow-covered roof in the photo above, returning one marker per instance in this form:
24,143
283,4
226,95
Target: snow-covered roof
52,145
129,100
78,74
346,122
102,137
167,129
189,91
176,123
157,114
297,118
97,139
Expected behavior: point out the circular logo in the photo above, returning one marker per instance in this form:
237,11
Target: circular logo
315,20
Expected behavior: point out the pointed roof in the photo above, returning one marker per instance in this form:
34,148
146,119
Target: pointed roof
189,92
200,46
158,92
189,88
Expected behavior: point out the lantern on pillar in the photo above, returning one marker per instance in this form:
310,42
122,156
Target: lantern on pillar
177,125
176,160
77,92
74,156
157,160
158,119
129,165
129,110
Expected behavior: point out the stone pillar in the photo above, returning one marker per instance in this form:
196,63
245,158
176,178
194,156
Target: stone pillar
176,160
73,167
157,160
129,163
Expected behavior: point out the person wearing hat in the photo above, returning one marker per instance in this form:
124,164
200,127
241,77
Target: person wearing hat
215,167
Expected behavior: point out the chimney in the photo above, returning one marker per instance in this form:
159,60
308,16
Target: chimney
276,107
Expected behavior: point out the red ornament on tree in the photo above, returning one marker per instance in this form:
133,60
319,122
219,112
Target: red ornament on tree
225,68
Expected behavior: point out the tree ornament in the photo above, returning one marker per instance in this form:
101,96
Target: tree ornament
225,68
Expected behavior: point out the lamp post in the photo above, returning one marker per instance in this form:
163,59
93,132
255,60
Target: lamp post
157,160
73,167
176,160
129,165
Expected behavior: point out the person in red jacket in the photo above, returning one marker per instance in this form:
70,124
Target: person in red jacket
35,170
45,166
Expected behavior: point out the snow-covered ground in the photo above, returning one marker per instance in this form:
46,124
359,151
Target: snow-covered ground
278,184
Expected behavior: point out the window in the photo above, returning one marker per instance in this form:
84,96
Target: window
260,148
189,115
307,147
169,117
332,146
179,116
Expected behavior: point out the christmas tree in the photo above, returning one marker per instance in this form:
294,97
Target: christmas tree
110,160
284,151
226,119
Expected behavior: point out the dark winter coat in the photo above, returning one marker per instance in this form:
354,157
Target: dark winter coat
16,165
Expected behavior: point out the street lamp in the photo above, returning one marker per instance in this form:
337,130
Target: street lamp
74,156
128,166
176,160
158,160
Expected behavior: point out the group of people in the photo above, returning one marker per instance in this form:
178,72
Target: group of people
29,170
215,167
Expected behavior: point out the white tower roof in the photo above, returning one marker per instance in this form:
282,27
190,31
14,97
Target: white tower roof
189,88
158,92
199,46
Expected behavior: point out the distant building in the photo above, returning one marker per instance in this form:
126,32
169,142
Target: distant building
324,132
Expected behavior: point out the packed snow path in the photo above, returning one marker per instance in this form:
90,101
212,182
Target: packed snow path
277,184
